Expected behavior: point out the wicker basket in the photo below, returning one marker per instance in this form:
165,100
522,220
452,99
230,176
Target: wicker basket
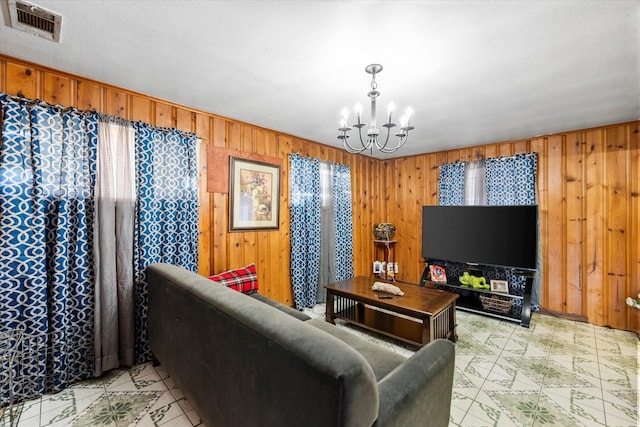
384,231
496,304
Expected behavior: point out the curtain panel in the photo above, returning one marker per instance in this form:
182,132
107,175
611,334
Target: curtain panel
451,184
327,273
114,222
512,180
166,220
304,177
475,190
47,180
343,221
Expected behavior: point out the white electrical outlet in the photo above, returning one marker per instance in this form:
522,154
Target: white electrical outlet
378,267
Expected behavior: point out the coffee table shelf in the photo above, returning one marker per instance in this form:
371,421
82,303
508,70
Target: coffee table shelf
383,323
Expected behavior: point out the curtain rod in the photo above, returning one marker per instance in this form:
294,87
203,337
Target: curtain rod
103,116
125,122
39,102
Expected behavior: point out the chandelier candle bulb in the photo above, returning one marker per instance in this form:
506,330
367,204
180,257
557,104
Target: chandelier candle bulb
390,111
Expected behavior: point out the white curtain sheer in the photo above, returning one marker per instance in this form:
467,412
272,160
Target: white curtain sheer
327,231
475,185
114,224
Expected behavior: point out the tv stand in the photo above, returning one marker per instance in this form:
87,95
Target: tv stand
494,304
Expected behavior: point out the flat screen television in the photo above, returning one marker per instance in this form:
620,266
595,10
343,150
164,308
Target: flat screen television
504,236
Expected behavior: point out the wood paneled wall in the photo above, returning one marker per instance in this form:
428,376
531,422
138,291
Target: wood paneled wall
589,197
588,185
219,250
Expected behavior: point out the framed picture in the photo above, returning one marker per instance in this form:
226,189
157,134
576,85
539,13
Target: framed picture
438,274
254,195
500,286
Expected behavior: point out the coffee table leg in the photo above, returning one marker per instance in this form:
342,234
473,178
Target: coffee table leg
452,322
426,330
360,311
329,311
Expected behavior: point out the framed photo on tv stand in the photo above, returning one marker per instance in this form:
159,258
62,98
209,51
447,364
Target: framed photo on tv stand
501,286
438,274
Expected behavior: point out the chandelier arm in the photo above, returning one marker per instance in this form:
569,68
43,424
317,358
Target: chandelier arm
386,141
403,139
350,148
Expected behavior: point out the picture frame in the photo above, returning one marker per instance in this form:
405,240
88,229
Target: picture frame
501,286
254,195
438,274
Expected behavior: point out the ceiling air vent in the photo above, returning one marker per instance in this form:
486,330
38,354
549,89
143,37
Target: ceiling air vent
34,20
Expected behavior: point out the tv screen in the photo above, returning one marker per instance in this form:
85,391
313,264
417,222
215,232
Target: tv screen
503,236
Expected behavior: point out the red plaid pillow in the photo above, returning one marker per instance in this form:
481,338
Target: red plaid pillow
243,280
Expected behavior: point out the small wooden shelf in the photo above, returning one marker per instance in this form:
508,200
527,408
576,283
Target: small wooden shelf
387,256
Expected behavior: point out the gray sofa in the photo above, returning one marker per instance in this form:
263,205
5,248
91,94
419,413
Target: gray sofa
250,361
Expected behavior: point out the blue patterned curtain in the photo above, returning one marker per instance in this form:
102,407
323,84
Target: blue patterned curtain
451,184
512,180
47,177
343,221
305,228
166,224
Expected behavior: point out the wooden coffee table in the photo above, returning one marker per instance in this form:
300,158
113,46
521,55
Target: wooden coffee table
418,317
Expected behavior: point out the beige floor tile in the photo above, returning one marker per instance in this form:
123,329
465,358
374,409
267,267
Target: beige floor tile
557,372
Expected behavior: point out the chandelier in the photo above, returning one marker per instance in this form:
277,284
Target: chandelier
371,140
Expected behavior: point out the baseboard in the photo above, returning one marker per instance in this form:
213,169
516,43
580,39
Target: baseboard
568,316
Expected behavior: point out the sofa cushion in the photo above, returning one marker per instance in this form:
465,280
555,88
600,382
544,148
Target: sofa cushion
289,310
243,279
381,361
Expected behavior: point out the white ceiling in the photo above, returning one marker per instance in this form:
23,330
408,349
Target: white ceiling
474,72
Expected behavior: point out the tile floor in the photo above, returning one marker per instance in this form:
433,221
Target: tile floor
556,373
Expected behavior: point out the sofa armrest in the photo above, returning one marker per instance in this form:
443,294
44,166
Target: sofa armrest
418,392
